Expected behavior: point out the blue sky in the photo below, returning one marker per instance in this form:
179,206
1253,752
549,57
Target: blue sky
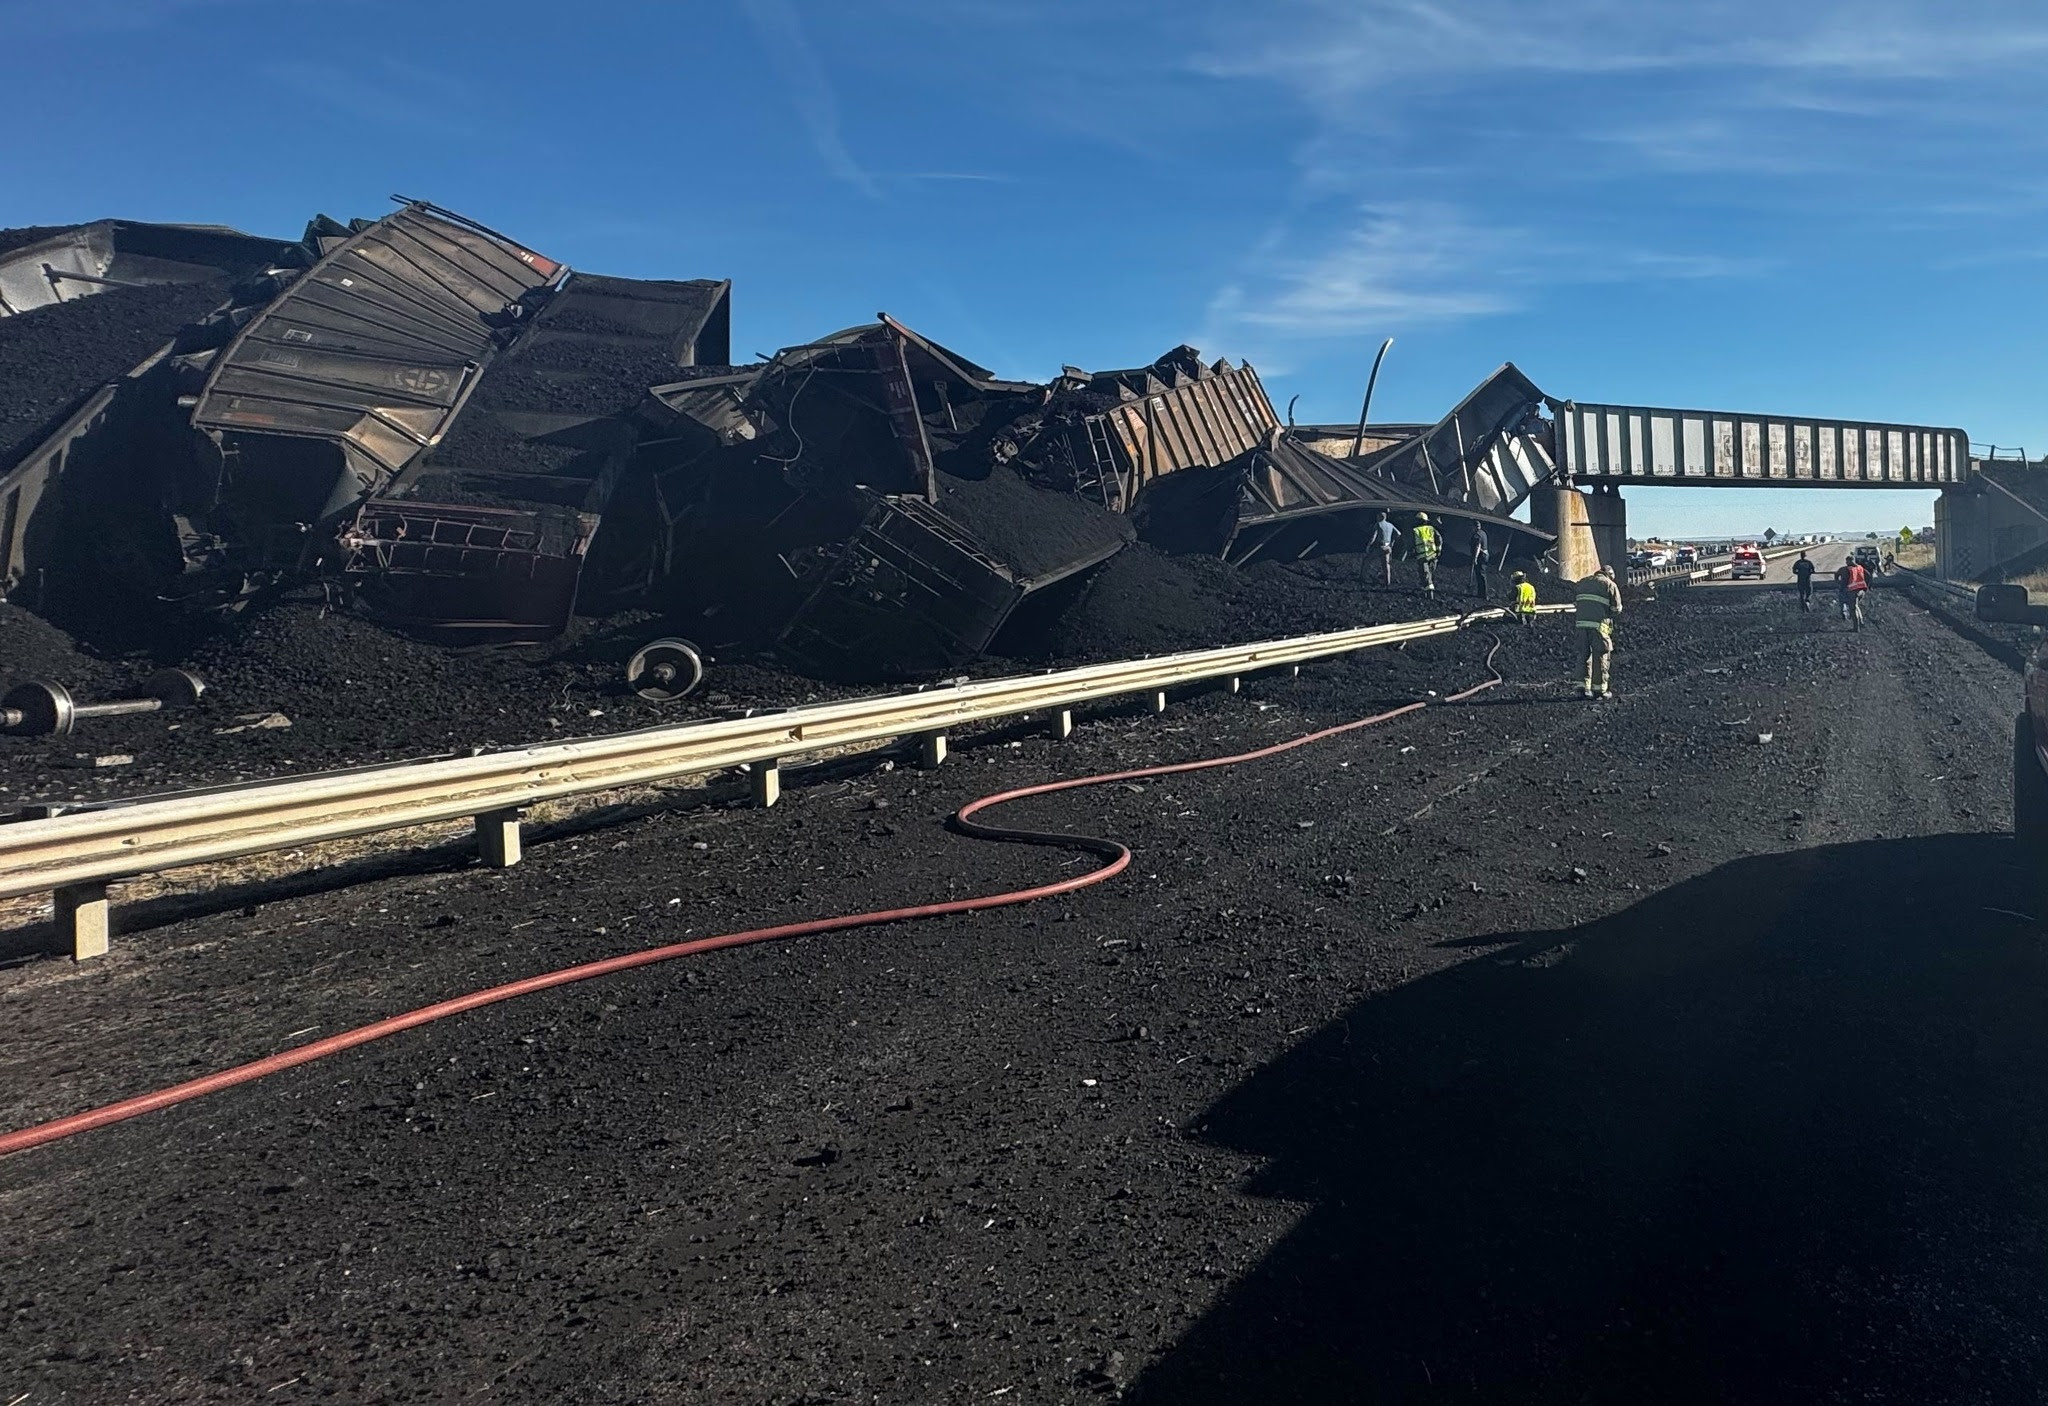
1827,209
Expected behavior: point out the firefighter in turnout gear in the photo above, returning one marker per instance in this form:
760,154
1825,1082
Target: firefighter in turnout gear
1598,604
1429,545
1525,598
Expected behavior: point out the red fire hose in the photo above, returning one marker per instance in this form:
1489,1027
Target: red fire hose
1117,854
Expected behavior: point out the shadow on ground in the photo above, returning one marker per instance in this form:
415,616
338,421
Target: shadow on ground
1776,1133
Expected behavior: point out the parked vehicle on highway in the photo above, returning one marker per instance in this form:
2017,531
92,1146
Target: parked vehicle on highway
1745,561
1659,559
1638,560
2007,604
1868,558
1688,556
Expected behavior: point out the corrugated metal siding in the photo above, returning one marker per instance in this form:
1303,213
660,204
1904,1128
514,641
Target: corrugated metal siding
377,343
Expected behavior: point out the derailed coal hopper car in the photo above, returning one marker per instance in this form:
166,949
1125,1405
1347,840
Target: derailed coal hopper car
487,534
841,503
331,394
88,315
1194,452
468,441
235,460
418,411
43,267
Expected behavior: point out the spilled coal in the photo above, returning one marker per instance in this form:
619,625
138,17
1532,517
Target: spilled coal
355,693
52,359
1034,531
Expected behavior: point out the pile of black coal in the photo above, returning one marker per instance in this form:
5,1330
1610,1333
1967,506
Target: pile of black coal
1145,601
1037,533
53,358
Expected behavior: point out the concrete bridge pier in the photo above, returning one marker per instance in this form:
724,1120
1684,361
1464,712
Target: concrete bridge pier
1591,528
1984,524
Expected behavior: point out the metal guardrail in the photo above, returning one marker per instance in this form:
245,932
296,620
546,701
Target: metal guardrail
1667,573
75,854
1921,578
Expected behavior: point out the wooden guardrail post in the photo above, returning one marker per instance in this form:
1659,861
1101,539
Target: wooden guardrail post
84,920
764,782
497,838
931,749
1063,723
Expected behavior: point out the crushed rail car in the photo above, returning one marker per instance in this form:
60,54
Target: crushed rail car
467,440
66,263
1492,450
1197,455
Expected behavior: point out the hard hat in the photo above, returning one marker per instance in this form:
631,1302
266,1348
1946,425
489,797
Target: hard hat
1422,517
1521,576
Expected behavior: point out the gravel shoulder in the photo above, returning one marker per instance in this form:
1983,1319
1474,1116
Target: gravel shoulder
1525,1050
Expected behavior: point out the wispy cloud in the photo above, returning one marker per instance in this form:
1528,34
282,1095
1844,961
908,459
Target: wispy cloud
1333,48
1404,266
1401,266
789,49
1461,156
975,177
384,92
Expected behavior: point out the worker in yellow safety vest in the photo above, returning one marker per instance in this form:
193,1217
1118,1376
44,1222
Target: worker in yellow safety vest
1428,547
1525,598
1597,606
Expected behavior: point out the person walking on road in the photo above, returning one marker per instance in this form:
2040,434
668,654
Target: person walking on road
1597,607
1480,559
1383,535
1525,599
1802,571
1428,547
1853,589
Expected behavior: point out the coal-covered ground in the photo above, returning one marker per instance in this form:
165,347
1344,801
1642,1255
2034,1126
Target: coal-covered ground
356,693
53,358
1530,1050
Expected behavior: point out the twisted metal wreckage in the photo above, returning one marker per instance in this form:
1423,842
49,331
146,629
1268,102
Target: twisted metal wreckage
472,442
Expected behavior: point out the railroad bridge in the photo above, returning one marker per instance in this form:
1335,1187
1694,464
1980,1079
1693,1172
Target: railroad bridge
1992,514
1603,448
1507,443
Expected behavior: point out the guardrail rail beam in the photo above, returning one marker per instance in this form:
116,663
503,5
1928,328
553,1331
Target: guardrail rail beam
74,852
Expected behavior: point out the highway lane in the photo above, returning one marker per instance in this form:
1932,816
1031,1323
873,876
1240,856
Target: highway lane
1778,572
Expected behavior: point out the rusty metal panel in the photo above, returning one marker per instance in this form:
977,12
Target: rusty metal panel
377,344
1462,454
1640,444
1199,422
460,572
910,592
716,403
